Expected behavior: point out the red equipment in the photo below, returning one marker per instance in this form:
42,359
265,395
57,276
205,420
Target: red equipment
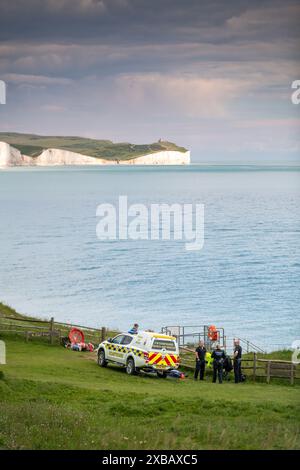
76,336
212,333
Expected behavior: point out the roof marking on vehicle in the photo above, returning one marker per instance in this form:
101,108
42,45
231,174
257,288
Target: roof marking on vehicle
155,335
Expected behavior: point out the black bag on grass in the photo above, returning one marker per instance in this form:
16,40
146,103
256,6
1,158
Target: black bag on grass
227,364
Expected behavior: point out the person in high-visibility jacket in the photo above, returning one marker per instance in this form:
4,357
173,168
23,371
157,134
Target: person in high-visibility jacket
218,356
208,360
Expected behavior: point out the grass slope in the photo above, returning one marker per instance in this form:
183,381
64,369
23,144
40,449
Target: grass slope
33,145
14,323
7,311
53,398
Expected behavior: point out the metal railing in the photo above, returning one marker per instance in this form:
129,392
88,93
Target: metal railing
190,335
248,346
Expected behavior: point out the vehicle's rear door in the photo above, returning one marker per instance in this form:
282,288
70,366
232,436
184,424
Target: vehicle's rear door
163,353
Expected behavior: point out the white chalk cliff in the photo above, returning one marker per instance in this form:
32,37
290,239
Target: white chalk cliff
10,156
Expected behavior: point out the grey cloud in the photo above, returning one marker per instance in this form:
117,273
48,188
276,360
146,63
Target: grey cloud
75,38
38,80
79,60
136,20
176,69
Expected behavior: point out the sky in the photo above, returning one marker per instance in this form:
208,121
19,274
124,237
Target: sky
213,76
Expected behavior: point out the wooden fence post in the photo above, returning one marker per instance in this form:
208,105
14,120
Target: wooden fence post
51,330
292,374
103,333
254,367
268,372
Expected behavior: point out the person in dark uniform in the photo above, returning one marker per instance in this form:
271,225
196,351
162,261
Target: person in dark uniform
200,361
218,356
237,361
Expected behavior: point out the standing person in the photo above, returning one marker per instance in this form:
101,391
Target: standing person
200,361
134,329
218,356
237,361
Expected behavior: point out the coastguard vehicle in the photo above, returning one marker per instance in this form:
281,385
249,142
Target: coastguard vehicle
147,351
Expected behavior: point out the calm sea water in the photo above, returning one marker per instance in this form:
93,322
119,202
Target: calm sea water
245,279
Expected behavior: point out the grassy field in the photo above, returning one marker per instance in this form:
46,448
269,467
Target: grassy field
54,398
33,145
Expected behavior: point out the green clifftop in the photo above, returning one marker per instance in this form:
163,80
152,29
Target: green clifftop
33,145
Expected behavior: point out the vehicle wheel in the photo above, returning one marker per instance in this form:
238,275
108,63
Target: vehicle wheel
130,367
161,374
101,359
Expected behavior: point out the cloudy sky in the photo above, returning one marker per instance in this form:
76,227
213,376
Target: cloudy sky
214,76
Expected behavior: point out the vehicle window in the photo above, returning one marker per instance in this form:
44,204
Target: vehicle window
164,344
118,339
126,340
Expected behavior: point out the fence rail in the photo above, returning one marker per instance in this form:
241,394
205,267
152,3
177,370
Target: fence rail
254,367
31,328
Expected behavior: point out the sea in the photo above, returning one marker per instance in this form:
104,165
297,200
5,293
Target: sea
245,278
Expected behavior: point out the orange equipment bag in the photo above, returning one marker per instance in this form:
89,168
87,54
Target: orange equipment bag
212,333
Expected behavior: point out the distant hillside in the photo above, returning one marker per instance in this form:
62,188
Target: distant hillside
33,145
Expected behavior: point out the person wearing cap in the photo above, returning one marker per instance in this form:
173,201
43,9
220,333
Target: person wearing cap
218,356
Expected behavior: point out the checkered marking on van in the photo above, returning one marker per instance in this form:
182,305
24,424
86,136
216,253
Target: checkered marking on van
124,349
